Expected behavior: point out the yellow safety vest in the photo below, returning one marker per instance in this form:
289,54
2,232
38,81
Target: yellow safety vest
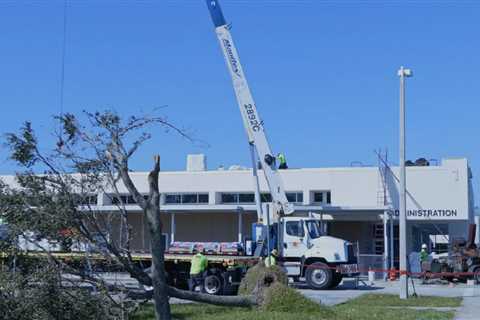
199,264
270,261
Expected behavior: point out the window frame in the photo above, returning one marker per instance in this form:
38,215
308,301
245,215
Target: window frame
325,195
298,223
181,198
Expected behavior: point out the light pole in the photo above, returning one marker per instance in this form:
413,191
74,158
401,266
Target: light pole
403,73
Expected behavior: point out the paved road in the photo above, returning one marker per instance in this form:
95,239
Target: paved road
471,301
347,291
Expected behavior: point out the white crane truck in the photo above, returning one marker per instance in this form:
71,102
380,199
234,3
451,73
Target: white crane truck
304,251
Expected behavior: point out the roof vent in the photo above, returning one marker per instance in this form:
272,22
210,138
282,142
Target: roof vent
196,162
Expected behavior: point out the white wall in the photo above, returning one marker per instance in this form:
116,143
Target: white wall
444,187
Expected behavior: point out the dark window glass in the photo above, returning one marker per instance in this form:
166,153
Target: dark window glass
203,198
291,197
266,197
329,197
189,198
300,197
172,198
294,228
229,198
115,200
246,198
313,227
130,200
295,197
87,200
318,197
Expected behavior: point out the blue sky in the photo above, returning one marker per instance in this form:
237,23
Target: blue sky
323,74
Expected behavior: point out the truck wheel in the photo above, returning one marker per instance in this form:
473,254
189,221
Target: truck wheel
212,284
337,278
319,276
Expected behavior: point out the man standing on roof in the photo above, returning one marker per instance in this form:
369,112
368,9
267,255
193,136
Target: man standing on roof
282,161
197,269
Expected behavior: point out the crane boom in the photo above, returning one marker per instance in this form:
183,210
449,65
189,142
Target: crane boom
251,120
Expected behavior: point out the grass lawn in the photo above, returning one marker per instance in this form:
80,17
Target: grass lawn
366,307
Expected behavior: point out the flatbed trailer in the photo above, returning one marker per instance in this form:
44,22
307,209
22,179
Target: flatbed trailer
223,275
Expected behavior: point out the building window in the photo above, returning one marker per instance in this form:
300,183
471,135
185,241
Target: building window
87,200
173,198
295,197
318,197
295,228
266,197
186,198
238,198
203,198
123,199
229,197
324,197
190,198
246,198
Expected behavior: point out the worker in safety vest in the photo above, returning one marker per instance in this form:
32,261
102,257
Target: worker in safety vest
424,261
197,269
424,253
282,161
271,260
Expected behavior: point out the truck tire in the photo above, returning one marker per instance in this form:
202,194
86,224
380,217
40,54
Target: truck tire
212,284
337,278
319,276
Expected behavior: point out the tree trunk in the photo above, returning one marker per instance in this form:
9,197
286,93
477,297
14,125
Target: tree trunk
232,301
160,288
152,212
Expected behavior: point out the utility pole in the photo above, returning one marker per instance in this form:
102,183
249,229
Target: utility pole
403,73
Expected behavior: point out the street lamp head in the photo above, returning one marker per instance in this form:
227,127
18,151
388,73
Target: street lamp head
404,72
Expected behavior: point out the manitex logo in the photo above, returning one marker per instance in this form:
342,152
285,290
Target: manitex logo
254,123
430,213
231,57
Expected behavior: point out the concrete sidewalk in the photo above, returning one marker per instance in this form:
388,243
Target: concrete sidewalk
470,303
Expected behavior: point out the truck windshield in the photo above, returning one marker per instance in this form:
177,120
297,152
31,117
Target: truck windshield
313,227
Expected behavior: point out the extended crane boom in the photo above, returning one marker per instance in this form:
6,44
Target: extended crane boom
251,120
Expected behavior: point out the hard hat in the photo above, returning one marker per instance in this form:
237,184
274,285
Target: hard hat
274,252
424,246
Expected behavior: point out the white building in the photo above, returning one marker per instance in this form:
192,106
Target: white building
218,205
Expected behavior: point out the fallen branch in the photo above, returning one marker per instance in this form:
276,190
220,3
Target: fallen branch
232,301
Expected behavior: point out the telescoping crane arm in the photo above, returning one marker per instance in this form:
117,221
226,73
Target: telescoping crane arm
251,120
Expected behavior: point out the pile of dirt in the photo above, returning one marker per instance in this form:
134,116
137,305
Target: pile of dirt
269,285
260,277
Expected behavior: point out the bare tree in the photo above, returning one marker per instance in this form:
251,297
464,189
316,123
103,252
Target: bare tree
55,188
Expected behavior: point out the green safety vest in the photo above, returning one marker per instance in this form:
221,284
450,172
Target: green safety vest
270,261
281,158
423,256
199,264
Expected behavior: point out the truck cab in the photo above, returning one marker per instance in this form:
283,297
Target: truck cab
307,253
